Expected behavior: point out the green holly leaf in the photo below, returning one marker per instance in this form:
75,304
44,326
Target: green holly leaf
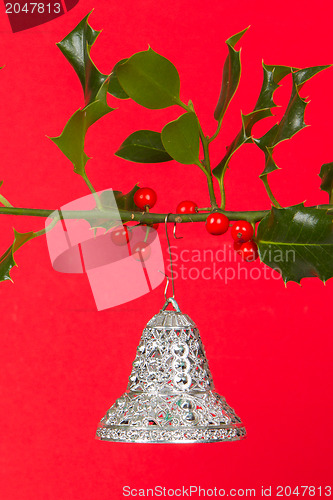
230,77
150,79
115,88
6,264
292,120
76,48
7,261
242,137
72,139
123,201
273,74
143,146
271,78
297,241
181,139
326,175
126,201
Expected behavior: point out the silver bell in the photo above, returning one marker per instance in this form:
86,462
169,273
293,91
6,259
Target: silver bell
170,396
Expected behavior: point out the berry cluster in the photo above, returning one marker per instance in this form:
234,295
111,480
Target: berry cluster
144,199
122,236
242,233
217,223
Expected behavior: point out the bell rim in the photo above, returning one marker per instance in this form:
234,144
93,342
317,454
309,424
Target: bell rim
239,436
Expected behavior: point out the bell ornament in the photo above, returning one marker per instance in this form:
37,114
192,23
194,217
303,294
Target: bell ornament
170,396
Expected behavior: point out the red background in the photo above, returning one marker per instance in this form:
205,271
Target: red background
269,347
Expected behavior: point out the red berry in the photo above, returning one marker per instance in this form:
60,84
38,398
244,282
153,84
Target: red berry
121,236
237,246
249,251
145,197
242,231
217,223
186,207
141,251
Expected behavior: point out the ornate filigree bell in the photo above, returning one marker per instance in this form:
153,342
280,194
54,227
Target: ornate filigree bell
170,396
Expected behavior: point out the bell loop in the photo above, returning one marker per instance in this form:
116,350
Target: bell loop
173,302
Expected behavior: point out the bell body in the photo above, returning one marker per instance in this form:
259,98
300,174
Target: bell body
170,396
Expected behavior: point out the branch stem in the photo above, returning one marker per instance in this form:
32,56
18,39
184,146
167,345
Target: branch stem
206,162
47,228
222,189
142,217
126,216
269,192
212,196
205,167
92,190
217,131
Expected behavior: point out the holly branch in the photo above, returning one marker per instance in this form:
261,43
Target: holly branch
152,81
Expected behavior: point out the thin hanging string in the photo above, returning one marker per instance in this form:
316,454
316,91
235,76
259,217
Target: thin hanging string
170,256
